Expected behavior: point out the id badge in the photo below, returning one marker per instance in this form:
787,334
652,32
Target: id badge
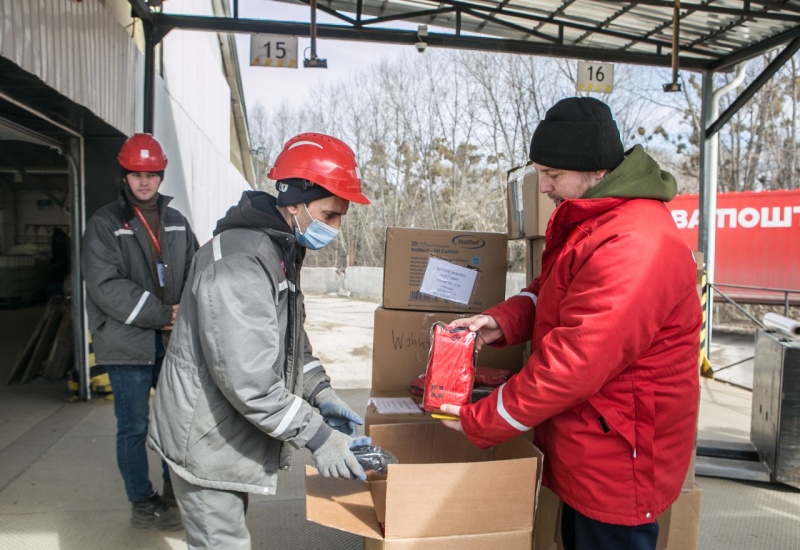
160,271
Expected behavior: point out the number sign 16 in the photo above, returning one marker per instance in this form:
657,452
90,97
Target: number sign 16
595,77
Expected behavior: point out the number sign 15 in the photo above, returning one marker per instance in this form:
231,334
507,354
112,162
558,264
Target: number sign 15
595,77
270,50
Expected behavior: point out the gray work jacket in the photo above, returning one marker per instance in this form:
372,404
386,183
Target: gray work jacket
122,303
233,389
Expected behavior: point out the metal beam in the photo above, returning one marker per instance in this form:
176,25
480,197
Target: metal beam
754,86
390,36
149,78
140,9
755,50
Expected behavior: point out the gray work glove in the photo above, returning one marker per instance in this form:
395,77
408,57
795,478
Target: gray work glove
336,413
335,459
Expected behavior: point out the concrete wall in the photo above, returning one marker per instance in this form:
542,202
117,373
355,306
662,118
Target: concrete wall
366,283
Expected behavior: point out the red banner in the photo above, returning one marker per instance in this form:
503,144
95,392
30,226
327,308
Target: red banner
757,238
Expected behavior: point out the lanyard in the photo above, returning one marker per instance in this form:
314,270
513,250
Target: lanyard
149,231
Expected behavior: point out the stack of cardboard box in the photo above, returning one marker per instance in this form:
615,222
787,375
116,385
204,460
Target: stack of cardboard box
528,214
401,336
445,492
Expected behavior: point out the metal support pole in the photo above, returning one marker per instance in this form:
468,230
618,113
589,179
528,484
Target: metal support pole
77,222
708,202
149,77
709,172
313,5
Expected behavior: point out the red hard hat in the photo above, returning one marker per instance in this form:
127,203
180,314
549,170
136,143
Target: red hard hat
323,160
142,153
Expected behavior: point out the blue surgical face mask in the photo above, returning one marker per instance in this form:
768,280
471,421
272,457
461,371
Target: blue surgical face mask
317,233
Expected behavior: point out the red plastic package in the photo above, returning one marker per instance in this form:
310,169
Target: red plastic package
451,367
418,385
490,376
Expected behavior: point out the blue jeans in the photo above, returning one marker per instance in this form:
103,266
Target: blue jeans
131,386
581,533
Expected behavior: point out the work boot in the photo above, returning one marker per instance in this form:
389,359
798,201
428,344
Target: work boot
168,495
154,514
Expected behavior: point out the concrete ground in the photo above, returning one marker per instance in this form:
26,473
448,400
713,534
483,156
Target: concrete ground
60,489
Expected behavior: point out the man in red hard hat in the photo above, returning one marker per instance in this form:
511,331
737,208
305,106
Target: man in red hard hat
241,387
135,260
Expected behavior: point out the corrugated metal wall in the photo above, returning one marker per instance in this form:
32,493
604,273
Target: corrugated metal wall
193,120
79,50
82,50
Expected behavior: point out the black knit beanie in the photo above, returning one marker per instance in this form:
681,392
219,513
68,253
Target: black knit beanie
577,133
298,191
125,173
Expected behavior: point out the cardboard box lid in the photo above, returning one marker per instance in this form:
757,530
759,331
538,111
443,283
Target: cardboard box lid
473,491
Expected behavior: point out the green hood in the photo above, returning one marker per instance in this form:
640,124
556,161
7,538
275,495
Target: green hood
638,177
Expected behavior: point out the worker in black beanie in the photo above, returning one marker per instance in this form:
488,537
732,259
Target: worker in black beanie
611,388
577,133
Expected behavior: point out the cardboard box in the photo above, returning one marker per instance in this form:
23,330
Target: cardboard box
528,209
407,254
534,248
699,259
688,482
444,493
547,524
678,526
400,346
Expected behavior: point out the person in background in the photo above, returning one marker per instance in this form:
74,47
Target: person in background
241,386
135,259
611,388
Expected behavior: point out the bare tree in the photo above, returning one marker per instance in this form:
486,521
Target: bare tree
435,135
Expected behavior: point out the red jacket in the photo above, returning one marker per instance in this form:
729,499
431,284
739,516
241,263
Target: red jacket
612,385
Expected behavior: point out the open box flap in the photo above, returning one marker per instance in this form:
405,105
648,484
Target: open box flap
341,504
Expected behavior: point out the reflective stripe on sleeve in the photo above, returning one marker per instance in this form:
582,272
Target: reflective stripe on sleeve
290,415
174,228
311,365
119,232
138,308
501,410
215,245
534,298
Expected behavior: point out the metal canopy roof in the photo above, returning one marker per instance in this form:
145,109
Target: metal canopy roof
712,35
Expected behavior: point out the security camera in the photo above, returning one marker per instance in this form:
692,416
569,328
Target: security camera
421,46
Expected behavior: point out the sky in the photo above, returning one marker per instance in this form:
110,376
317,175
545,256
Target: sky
272,86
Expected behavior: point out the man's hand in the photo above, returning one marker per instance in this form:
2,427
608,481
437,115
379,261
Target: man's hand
172,321
335,459
452,410
485,325
336,413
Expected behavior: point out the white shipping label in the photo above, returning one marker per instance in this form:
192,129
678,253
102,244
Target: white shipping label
448,281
